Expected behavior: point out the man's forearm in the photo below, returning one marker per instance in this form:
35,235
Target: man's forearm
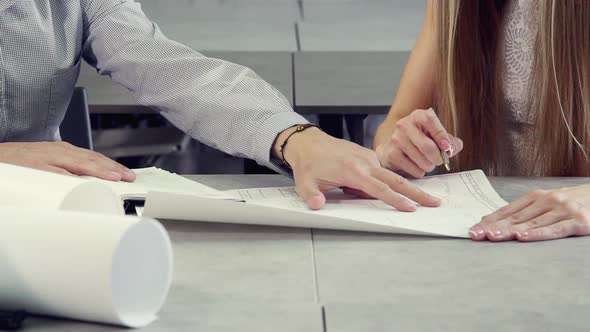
221,104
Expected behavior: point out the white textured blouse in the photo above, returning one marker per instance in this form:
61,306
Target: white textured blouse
517,48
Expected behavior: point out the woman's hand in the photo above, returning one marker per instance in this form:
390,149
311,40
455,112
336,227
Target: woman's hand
321,163
415,145
540,215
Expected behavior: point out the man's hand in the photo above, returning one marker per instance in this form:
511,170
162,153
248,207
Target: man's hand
64,158
321,163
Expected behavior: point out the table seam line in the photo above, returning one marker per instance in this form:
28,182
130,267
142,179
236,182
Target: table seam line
315,270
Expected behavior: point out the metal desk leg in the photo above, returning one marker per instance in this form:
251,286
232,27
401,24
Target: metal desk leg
332,124
355,123
252,167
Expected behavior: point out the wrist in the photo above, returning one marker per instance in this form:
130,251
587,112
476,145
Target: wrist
379,151
298,144
382,135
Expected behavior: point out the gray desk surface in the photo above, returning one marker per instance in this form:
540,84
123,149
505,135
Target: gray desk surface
243,278
367,81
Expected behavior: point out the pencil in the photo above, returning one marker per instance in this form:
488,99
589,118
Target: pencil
446,161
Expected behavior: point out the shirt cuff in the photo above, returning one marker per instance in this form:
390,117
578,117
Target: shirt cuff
267,134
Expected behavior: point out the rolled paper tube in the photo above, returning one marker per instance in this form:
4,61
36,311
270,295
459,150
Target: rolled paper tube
31,188
108,269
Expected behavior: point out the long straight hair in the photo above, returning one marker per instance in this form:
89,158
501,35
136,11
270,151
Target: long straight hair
469,99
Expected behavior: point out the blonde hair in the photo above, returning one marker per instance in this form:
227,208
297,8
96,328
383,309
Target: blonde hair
469,97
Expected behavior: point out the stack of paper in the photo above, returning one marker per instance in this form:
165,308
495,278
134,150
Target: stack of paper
467,197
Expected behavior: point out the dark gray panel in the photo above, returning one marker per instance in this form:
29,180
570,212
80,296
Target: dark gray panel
347,79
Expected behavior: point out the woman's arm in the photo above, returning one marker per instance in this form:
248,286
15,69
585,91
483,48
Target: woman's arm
418,83
411,138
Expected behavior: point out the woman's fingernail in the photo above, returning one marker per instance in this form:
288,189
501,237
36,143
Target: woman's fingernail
452,150
446,145
476,230
493,234
522,235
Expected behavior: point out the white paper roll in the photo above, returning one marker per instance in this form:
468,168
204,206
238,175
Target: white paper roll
108,269
31,188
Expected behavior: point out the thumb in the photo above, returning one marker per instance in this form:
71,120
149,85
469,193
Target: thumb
457,146
312,195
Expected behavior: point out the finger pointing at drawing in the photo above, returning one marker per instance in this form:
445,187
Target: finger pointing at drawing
311,193
321,163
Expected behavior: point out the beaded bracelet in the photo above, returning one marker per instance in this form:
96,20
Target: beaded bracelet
299,129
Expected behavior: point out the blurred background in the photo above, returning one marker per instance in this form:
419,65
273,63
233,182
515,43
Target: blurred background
338,61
